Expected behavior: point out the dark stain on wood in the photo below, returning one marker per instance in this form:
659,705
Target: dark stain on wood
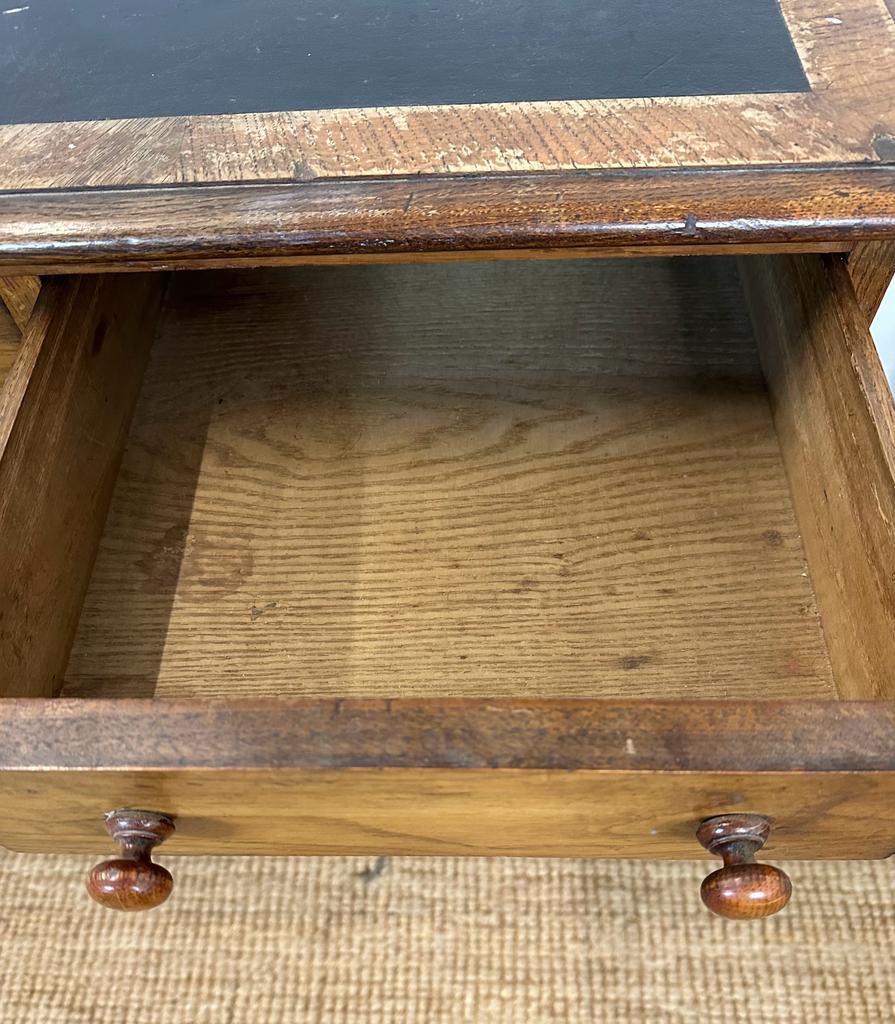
566,735
478,215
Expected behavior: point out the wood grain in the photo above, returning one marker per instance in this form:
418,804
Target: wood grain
452,812
10,343
836,422
19,294
559,215
502,479
783,129
64,411
872,267
553,778
339,734
112,264
846,118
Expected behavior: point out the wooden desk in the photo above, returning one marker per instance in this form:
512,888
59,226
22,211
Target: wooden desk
512,557
439,127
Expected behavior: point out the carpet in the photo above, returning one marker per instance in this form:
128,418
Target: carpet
413,940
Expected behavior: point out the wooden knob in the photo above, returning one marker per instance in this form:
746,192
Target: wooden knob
741,889
132,881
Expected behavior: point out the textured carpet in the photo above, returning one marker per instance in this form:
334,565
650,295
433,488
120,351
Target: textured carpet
271,940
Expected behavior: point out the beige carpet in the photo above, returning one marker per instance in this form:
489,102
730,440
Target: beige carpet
405,941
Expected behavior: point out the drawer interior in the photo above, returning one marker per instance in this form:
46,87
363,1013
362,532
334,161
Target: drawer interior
10,339
510,479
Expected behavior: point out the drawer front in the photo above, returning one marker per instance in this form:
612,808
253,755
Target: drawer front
459,813
533,778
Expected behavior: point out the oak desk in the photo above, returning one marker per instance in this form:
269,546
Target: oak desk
527,552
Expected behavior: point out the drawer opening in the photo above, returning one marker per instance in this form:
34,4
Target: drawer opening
495,480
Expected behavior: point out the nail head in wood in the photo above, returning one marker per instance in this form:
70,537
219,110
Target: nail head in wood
742,889
133,881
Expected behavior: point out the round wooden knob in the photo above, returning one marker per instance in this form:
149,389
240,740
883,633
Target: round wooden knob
132,881
742,889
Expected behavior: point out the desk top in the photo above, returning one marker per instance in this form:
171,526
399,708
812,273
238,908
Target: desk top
122,94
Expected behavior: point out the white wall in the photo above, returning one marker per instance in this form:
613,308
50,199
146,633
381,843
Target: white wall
884,333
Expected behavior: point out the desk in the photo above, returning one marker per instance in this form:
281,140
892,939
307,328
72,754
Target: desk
406,523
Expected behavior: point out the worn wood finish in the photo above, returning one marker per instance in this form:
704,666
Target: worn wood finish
872,267
836,422
552,778
471,812
19,295
10,342
556,215
97,263
751,737
64,413
506,479
846,117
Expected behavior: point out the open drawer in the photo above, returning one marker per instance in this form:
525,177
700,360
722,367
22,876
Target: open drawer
490,558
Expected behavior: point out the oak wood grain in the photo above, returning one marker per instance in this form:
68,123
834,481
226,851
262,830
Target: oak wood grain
558,215
503,479
19,295
836,421
872,267
554,778
10,342
335,734
113,264
475,812
64,412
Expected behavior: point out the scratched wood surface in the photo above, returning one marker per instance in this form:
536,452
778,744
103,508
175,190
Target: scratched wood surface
492,479
64,412
846,115
10,339
823,373
19,295
872,269
552,216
